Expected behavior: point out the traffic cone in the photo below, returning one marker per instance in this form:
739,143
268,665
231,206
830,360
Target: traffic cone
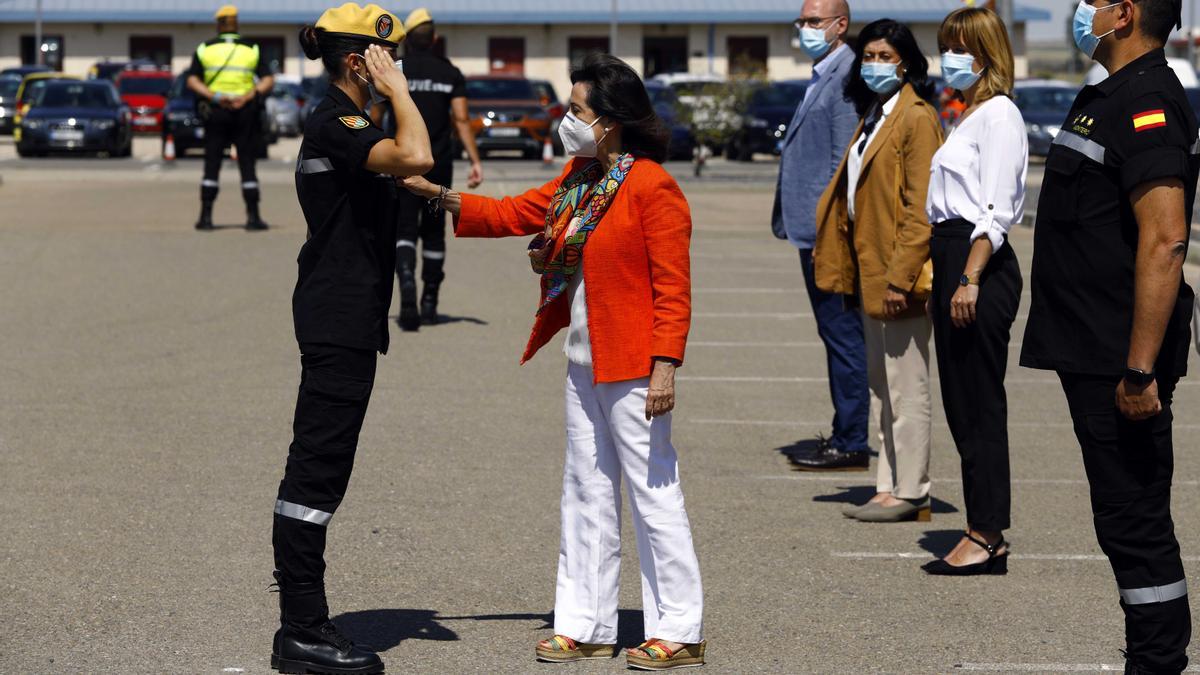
547,152
169,148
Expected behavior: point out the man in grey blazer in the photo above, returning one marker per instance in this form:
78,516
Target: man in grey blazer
816,139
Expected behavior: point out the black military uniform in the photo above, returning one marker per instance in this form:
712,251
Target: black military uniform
229,66
432,82
340,308
1133,128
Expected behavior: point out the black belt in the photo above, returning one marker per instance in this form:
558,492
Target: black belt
955,228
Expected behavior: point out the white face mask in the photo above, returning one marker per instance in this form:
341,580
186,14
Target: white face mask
578,138
376,98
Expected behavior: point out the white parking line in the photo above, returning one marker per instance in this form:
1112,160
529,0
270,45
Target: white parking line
1051,667
925,555
820,424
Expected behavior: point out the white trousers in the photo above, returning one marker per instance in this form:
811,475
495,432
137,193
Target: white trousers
608,437
898,375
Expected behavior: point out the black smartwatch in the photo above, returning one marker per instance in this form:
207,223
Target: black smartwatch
1139,378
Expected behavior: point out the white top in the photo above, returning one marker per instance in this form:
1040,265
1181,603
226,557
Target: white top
858,150
979,173
578,346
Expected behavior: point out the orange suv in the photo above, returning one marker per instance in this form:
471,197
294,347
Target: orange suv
507,114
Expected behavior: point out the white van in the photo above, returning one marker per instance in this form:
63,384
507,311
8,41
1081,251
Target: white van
1183,70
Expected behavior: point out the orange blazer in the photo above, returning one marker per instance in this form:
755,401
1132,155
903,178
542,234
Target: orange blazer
636,268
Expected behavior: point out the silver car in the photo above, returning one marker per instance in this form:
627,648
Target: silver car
8,101
284,108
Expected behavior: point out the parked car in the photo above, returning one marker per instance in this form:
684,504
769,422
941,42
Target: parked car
1044,104
664,100
765,121
30,85
555,108
106,70
22,71
1183,70
313,90
78,117
284,107
9,84
145,92
507,114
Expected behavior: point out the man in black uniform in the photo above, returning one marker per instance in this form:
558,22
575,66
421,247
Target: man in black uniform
439,90
1110,310
222,75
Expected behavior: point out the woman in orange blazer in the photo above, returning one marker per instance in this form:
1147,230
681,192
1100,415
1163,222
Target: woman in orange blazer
873,244
611,247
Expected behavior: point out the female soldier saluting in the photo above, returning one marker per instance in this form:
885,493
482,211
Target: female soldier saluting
344,180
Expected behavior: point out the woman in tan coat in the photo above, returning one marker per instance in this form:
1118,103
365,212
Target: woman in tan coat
873,247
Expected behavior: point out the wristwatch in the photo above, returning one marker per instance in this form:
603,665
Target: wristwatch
968,280
1139,378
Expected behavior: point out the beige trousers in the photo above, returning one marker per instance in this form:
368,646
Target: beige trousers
898,375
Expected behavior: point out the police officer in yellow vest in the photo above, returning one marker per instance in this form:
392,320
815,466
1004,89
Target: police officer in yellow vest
223,75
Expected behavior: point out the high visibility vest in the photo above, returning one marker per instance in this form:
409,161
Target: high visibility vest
239,61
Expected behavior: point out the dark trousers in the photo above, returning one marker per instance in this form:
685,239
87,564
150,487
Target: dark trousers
1129,467
241,128
416,224
972,362
840,328
335,387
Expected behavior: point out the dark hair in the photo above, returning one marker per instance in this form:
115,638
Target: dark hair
420,38
619,94
1159,18
916,67
319,43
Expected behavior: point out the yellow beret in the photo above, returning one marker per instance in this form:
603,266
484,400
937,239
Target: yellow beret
226,12
372,22
418,17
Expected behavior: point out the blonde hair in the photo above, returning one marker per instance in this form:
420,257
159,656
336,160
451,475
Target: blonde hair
984,36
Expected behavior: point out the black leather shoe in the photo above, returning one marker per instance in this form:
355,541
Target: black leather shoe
829,458
321,650
806,447
205,222
429,304
996,564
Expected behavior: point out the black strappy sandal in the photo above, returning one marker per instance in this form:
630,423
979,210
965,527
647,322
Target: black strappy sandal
995,564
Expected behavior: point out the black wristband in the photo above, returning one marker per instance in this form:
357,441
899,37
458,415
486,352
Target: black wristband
1139,378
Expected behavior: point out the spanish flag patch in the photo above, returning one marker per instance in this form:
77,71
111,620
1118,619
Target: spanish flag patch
1151,119
355,122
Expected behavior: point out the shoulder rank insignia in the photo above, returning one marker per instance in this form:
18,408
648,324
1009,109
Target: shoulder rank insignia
1151,119
355,122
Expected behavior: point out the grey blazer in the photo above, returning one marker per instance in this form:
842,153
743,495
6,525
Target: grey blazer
816,139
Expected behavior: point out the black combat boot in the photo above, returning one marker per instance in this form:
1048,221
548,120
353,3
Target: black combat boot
429,304
410,318
254,222
205,223
308,642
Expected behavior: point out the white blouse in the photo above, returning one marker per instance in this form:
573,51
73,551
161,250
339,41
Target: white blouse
858,150
979,173
578,346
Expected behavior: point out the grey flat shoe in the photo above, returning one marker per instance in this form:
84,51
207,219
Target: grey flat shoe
874,513
851,510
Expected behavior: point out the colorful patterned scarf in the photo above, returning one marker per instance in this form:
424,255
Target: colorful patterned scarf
584,195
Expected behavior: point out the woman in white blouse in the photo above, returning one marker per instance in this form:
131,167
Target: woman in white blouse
976,193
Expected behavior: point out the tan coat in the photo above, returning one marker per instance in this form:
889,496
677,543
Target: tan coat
889,242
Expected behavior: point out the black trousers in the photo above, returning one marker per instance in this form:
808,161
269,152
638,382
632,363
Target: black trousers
335,387
242,129
1129,467
971,365
416,224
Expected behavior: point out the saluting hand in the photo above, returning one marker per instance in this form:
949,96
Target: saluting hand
387,78
1138,403
660,400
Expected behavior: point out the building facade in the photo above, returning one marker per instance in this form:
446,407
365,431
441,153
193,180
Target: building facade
481,36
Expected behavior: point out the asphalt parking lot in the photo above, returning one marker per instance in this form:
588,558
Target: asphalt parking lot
146,398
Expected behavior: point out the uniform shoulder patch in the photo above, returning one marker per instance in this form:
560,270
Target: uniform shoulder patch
355,122
1150,119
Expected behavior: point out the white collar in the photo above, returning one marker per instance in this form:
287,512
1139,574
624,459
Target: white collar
828,62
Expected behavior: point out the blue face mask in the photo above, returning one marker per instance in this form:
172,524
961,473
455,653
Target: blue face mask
959,70
813,42
880,77
1081,28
